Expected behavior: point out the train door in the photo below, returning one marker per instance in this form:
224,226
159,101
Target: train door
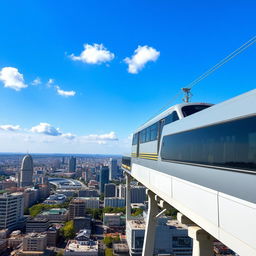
160,128
138,144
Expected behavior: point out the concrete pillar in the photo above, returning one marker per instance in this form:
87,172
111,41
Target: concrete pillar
202,241
149,238
128,197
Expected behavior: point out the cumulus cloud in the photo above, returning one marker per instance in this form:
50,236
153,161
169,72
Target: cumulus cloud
9,127
50,82
94,54
101,138
68,136
64,93
12,78
36,81
47,129
141,56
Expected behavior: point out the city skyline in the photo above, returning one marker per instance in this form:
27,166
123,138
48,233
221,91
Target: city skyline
76,78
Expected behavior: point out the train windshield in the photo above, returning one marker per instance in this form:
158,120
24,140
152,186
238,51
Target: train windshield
192,109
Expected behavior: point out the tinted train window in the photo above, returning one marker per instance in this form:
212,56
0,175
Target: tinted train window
192,109
171,118
231,144
153,131
135,139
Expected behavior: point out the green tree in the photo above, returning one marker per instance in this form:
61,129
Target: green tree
109,252
68,230
137,211
108,241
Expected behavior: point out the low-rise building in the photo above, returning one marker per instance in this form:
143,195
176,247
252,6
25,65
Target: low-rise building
35,242
88,193
114,202
82,223
91,202
112,219
55,215
52,236
55,199
37,225
15,239
77,208
84,248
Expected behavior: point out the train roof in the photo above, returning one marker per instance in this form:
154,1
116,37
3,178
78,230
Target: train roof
166,113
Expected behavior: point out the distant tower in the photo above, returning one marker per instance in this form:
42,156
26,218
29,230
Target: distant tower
26,173
104,178
72,164
112,169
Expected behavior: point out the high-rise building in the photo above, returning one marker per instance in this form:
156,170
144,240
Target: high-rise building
110,190
113,169
11,210
171,237
138,194
26,173
72,164
121,191
104,178
77,208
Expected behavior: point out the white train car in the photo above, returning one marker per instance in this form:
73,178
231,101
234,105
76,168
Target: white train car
201,158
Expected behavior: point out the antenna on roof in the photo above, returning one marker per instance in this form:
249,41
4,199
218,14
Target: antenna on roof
187,94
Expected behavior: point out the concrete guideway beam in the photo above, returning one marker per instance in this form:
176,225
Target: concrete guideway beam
202,241
149,238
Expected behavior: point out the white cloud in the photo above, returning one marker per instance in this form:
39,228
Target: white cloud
142,55
50,82
68,136
94,54
12,78
36,81
64,93
101,138
47,129
9,127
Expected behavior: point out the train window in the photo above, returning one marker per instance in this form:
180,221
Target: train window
171,118
147,134
135,139
143,133
231,144
153,131
192,109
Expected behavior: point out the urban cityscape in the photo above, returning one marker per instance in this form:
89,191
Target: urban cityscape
127,128
76,205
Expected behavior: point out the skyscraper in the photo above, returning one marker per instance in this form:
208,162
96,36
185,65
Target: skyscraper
104,178
110,190
72,164
11,210
26,173
112,169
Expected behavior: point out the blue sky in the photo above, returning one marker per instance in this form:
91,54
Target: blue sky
95,103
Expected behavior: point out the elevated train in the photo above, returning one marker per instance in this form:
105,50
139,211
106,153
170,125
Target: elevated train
210,145
201,159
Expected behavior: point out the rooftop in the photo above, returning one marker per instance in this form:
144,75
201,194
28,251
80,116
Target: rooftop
137,224
55,211
75,246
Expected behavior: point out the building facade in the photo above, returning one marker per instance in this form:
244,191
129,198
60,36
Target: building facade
104,178
113,169
110,190
26,172
11,210
72,164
